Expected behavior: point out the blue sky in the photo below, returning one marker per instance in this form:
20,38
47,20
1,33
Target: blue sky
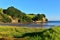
51,8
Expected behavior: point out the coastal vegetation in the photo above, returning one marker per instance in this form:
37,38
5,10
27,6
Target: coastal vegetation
25,33
14,15
15,32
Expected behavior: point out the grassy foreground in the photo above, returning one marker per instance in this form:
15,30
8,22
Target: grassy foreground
26,33
12,33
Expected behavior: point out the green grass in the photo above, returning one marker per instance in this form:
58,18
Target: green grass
47,34
16,32
26,33
31,16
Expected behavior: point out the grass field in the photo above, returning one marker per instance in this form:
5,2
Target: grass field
26,33
31,16
16,32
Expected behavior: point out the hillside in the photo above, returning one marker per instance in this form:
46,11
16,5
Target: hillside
14,15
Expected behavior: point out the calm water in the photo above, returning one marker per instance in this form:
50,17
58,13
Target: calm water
48,24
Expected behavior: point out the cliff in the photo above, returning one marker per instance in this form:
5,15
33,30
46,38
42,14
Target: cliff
14,15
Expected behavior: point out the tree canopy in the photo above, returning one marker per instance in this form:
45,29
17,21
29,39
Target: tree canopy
39,17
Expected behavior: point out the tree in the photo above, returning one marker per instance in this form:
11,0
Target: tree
14,12
38,17
31,14
43,15
46,19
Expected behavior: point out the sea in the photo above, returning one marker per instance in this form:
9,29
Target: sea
47,24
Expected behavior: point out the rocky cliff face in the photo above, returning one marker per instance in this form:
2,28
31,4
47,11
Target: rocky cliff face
43,20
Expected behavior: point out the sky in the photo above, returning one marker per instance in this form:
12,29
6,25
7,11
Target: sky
51,8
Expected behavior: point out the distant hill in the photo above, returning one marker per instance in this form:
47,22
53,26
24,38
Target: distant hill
14,15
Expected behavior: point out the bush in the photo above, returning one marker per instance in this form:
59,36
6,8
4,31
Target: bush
6,19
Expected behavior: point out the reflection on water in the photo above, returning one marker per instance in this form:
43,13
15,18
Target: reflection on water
48,24
40,25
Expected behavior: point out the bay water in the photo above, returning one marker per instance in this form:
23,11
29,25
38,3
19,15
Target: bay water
47,24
